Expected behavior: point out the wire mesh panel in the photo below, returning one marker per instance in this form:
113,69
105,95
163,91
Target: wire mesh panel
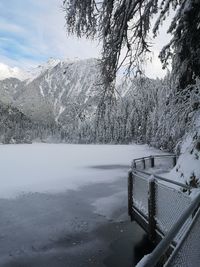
143,163
148,163
164,163
139,164
187,254
140,193
170,204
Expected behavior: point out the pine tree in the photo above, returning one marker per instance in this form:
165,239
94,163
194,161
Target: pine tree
127,24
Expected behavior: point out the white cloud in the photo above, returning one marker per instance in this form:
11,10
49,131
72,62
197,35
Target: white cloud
153,68
41,34
5,26
15,72
39,26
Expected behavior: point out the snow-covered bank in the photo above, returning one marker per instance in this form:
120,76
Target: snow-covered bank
58,167
187,169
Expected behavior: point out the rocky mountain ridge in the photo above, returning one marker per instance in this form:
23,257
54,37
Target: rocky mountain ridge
56,92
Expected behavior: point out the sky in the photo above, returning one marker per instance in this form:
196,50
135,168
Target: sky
32,31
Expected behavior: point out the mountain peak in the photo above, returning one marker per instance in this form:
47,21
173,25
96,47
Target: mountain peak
40,69
51,62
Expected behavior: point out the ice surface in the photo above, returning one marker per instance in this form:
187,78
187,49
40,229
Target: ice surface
59,167
107,205
49,218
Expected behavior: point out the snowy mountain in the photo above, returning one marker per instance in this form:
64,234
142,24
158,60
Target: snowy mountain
57,91
65,95
34,73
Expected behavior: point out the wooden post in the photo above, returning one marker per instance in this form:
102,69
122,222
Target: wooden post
152,210
152,162
130,194
174,161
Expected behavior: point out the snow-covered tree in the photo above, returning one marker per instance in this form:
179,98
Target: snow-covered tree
126,24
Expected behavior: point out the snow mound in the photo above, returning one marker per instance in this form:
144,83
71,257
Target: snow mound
187,168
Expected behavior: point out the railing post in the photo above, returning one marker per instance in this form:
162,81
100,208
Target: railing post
174,161
152,209
130,194
152,162
134,164
144,165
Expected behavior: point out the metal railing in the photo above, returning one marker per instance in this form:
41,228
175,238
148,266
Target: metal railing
150,196
152,161
164,209
178,258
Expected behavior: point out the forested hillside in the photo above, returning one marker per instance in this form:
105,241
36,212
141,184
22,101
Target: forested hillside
18,128
62,101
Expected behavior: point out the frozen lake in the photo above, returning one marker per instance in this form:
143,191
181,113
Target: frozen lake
66,205
58,167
